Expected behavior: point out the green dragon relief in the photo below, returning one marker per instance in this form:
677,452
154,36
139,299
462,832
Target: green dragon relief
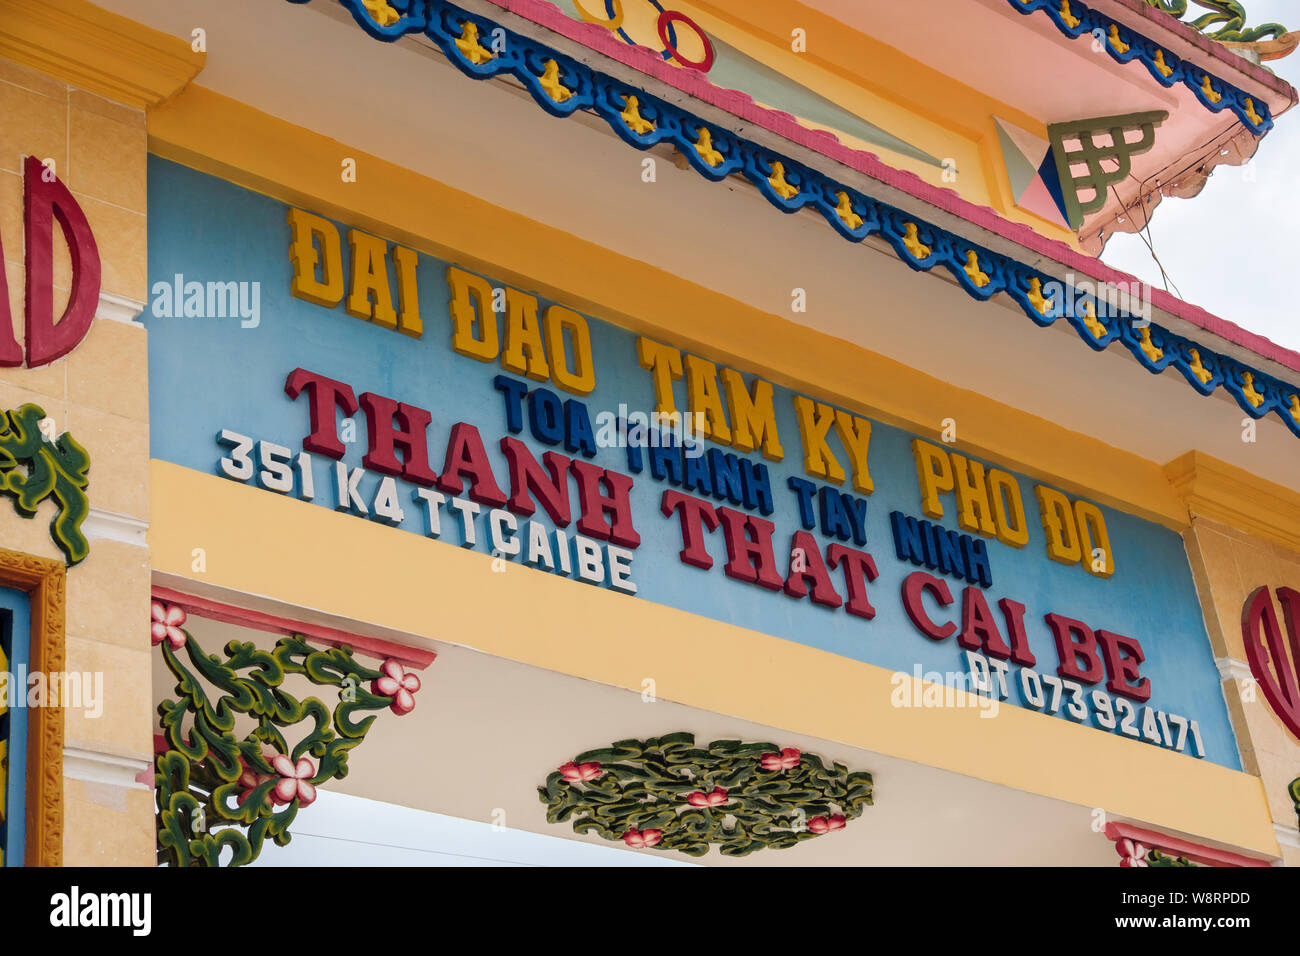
1228,17
56,469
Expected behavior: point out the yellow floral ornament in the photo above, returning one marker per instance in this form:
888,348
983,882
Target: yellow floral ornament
1036,297
1067,16
633,118
381,12
1295,409
551,83
1116,43
1148,347
1249,391
779,184
912,241
1208,89
1164,68
1202,373
973,271
1091,322
704,146
469,45
845,211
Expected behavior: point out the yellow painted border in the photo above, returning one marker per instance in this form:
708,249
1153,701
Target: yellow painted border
94,50
45,583
421,587
220,136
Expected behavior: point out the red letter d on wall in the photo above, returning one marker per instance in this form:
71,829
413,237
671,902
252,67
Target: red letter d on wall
48,200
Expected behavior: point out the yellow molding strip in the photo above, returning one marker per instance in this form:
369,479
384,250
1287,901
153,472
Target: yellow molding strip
223,137
372,574
80,44
1233,496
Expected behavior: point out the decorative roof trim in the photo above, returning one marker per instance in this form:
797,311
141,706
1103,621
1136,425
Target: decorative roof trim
563,86
742,106
1075,19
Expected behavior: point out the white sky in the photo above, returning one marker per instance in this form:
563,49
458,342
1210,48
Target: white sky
1233,250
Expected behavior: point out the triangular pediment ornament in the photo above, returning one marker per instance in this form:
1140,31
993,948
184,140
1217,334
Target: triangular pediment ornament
1092,154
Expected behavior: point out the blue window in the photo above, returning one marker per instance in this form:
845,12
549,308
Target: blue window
15,653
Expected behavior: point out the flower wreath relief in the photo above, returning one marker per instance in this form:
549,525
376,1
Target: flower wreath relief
666,794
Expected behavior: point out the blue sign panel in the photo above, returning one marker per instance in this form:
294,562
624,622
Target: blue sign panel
308,359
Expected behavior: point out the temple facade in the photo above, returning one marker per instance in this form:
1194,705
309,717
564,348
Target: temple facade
698,429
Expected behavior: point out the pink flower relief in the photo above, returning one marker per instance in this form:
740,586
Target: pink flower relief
787,759
643,839
295,780
1134,854
165,625
716,798
581,772
826,824
397,684
250,780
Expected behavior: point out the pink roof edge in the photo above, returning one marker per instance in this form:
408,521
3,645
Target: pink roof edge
741,105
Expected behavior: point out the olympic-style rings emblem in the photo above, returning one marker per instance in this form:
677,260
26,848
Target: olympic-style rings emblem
613,21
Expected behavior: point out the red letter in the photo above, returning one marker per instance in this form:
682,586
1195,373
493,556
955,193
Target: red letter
1014,614
47,201
978,629
526,476
749,549
11,353
1280,683
859,571
324,394
1123,655
917,584
595,505
467,456
694,515
1075,642
796,585
384,438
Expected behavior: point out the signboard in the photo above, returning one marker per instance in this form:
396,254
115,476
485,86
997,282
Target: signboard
309,359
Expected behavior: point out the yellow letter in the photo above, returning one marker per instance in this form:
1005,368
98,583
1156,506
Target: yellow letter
370,280
408,292
524,337
580,378
471,306
1058,523
974,513
815,421
702,395
935,474
753,419
1008,509
855,433
328,291
665,363
1093,534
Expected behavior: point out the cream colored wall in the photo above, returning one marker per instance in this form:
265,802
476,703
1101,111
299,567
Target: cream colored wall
98,393
1229,565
